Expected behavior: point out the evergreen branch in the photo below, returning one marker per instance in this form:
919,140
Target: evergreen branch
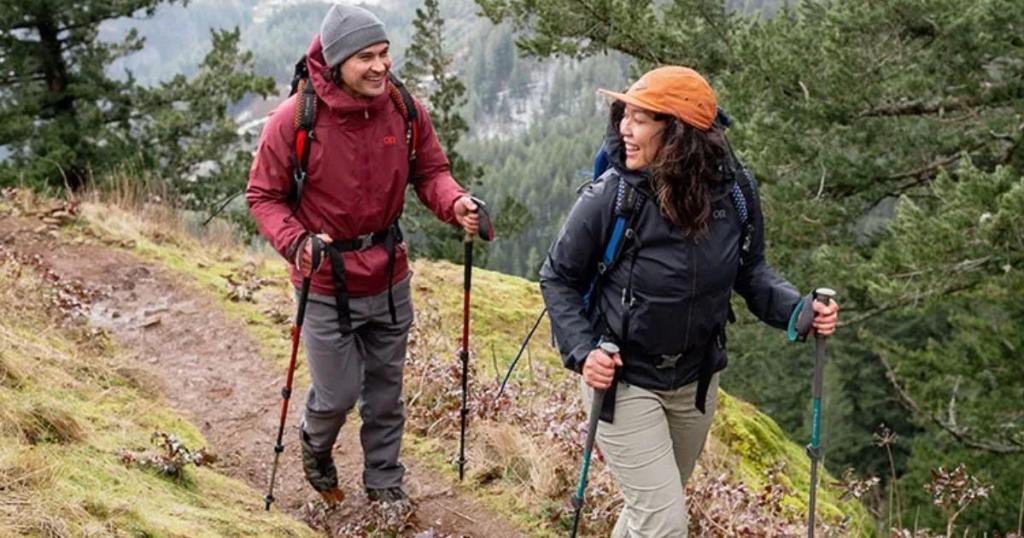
13,81
608,22
926,172
961,434
902,301
920,175
920,107
866,315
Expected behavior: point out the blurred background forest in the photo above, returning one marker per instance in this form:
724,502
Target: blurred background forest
886,137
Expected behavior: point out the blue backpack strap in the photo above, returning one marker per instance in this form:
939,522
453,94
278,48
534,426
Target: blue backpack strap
628,202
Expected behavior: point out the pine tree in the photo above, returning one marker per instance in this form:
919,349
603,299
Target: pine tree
65,119
429,73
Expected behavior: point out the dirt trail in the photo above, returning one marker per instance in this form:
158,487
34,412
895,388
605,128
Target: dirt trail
210,370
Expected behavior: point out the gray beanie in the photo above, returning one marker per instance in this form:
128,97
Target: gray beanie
347,30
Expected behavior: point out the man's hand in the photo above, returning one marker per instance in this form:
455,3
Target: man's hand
465,213
825,317
599,369
304,256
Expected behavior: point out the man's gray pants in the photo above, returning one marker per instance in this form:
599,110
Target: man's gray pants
365,365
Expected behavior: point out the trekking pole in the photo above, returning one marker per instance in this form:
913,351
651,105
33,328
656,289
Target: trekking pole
824,295
486,231
286,391
467,276
515,361
611,350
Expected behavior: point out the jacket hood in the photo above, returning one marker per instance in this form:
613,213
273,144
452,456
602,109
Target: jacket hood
337,99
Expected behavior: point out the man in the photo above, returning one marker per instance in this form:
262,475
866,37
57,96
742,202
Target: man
359,311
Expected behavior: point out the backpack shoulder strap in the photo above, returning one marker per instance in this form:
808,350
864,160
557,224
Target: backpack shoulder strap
305,120
407,107
743,194
628,202
627,206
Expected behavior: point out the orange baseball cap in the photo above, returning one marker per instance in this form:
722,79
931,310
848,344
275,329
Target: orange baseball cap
677,91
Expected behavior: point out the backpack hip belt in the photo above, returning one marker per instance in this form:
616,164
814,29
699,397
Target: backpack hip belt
390,237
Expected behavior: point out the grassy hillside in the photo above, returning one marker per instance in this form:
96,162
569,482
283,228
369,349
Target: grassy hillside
523,448
70,404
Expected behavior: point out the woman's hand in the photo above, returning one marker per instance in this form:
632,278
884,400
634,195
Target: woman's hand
825,317
465,213
599,369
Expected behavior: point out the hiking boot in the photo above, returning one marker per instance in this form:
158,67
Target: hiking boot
318,467
386,495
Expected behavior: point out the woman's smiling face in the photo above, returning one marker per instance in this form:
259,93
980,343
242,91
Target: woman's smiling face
641,135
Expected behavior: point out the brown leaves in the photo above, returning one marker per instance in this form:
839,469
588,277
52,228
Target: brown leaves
243,284
70,298
170,457
955,490
853,487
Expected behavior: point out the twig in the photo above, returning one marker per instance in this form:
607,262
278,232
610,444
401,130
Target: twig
959,434
494,361
725,531
821,185
952,402
456,512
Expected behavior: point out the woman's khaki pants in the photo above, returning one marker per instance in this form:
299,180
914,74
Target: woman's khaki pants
651,449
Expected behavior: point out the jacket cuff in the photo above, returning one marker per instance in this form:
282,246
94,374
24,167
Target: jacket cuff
800,319
292,249
578,357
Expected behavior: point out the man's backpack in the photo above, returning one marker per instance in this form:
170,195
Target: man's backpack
305,120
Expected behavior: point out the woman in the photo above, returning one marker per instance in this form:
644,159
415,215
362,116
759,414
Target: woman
665,299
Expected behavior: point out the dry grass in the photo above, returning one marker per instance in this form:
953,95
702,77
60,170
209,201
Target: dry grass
505,451
128,204
23,473
49,422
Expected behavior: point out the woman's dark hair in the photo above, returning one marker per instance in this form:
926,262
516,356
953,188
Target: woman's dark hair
688,161
686,165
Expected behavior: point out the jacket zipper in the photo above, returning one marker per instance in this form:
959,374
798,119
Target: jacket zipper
693,292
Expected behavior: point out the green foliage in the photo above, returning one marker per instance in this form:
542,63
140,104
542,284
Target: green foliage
194,139
65,119
950,270
428,72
